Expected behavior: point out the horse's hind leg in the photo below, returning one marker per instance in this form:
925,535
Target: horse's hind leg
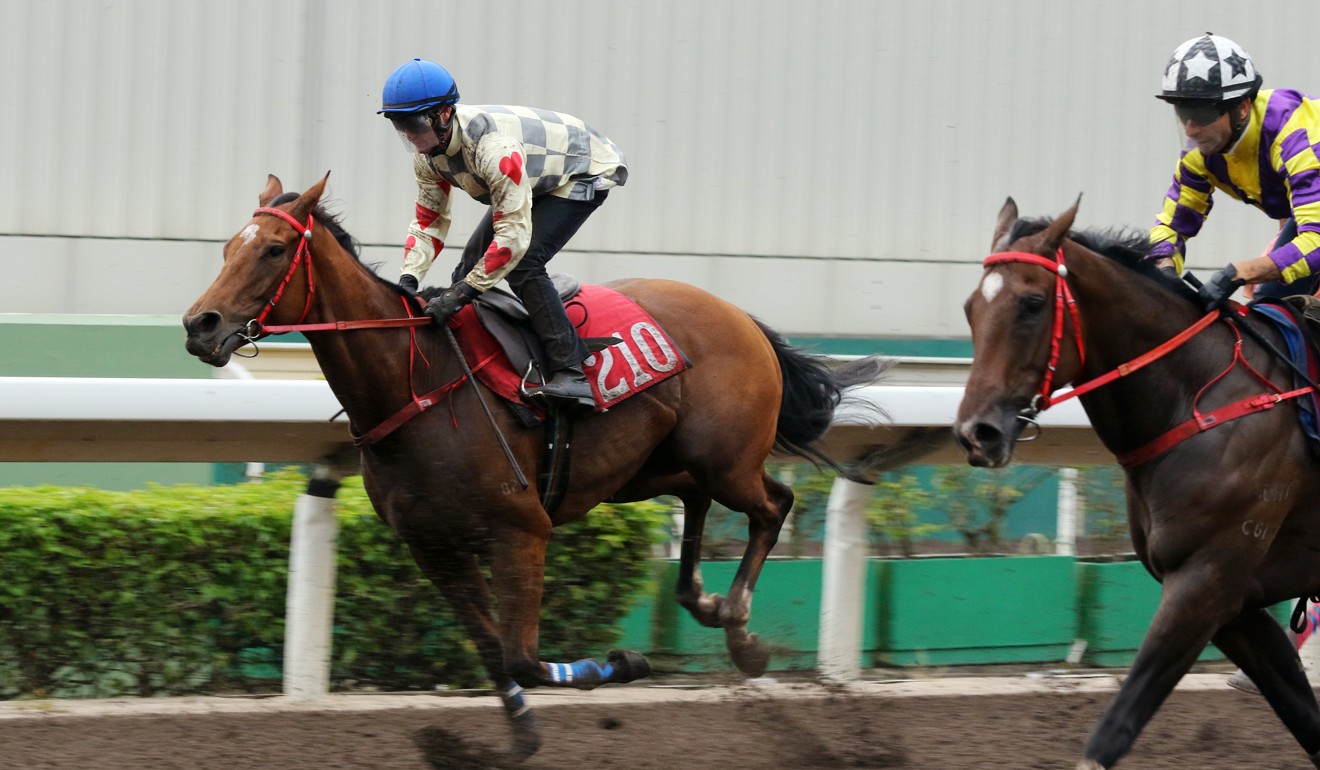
766,508
689,592
459,578
1256,643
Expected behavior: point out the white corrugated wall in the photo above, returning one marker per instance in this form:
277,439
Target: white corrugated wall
834,167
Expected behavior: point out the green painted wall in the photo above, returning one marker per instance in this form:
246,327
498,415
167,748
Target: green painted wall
921,612
943,612
918,612
861,346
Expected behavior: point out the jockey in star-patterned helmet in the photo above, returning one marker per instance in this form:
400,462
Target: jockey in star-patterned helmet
1252,144
1205,77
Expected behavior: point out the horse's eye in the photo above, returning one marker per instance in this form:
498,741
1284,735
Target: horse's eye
274,251
1031,304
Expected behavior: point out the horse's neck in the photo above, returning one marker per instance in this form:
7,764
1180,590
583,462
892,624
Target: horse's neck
1124,316
368,369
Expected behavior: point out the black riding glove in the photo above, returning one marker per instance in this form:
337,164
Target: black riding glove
444,305
1171,271
408,283
1216,291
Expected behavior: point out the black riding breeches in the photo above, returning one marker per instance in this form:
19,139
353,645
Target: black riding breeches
554,222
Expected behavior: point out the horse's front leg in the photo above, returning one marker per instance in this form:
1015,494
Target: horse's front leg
458,576
517,565
1258,645
1197,599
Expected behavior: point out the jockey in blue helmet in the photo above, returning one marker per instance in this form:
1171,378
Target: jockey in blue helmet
542,173
414,99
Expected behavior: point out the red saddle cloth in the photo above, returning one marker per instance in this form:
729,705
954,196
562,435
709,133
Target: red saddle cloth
644,355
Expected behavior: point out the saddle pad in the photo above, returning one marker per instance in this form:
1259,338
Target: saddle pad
1283,318
644,356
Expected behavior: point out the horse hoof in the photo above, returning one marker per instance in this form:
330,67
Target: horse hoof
1089,764
628,666
750,656
525,745
526,736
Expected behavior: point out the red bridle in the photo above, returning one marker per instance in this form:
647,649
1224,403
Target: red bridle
255,326
1063,298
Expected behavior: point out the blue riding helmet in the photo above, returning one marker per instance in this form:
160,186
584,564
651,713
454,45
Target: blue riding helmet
417,86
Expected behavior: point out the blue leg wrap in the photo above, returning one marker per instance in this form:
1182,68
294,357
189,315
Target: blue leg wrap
514,704
581,673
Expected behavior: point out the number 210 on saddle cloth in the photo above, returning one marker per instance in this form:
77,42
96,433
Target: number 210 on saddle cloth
643,356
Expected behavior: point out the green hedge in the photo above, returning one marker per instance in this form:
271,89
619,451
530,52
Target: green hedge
181,590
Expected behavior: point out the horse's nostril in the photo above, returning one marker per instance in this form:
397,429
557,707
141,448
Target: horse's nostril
987,434
202,323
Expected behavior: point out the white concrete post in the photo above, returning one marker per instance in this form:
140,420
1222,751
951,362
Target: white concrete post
1065,544
678,522
841,611
309,609
787,477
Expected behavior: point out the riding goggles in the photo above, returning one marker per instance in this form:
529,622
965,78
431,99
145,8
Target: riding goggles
416,129
1200,114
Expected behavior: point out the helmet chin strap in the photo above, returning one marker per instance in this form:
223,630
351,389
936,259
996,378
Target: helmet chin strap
442,132
1239,126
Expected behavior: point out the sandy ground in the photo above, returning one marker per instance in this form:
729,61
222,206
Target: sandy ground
1015,722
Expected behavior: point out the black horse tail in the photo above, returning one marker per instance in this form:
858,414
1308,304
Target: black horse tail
812,392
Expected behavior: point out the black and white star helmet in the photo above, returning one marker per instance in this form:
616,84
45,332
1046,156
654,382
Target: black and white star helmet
1209,68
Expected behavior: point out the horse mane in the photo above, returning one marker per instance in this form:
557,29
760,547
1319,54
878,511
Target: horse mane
330,221
1125,245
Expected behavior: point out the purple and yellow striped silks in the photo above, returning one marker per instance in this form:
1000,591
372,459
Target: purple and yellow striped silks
1274,166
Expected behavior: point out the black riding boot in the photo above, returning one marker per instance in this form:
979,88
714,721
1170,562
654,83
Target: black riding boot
564,349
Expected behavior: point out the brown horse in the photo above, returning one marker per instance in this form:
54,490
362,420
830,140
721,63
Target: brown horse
442,481
1222,511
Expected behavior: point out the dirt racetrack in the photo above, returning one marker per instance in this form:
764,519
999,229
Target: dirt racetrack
1017,722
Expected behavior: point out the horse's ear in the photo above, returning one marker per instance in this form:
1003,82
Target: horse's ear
308,201
273,189
1007,216
1053,236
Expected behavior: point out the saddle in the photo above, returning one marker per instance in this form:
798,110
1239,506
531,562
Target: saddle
504,316
1307,307
1297,319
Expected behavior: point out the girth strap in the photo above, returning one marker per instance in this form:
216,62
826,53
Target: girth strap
557,461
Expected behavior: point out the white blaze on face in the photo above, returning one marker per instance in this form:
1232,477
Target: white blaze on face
991,285
249,233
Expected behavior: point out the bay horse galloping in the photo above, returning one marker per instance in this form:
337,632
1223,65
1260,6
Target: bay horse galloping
441,479
1223,496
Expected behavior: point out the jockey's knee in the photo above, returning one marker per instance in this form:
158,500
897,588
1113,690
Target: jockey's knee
521,274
